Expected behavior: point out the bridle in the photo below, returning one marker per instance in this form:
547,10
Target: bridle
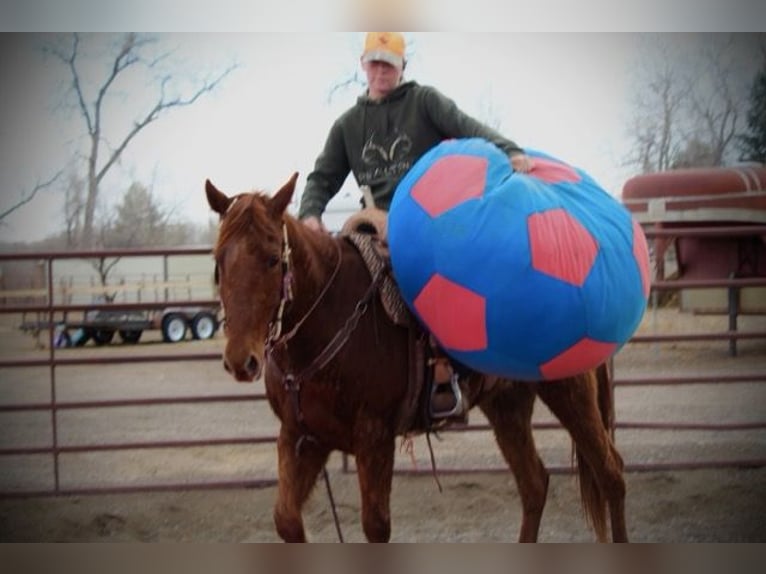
275,337
275,327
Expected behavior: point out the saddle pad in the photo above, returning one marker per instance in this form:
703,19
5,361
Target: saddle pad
528,276
375,256
369,221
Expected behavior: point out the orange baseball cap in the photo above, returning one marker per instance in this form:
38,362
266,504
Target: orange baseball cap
384,46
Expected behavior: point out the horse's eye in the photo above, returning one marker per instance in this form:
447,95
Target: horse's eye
272,260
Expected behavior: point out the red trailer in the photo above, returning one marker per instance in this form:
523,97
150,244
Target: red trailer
711,198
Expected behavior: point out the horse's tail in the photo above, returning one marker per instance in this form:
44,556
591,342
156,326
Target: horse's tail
592,496
606,396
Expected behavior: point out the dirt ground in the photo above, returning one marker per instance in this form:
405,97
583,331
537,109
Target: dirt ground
708,505
688,506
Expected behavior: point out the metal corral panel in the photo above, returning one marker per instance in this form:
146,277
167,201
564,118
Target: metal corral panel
752,300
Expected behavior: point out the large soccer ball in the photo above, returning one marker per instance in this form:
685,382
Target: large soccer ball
528,276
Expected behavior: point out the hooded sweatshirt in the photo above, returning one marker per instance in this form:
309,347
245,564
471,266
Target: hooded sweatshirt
379,141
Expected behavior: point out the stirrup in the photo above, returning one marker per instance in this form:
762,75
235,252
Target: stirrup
457,409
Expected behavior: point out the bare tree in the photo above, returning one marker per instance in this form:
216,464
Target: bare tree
688,107
103,267
716,110
657,112
695,153
26,198
101,157
352,80
74,204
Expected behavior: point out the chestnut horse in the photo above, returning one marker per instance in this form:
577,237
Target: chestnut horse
299,311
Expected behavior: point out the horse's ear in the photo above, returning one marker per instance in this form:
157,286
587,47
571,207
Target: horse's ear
218,200
278,204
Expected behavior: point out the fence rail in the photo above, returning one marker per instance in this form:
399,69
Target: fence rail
55,407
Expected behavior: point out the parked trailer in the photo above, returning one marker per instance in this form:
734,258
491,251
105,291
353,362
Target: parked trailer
100,326
722,198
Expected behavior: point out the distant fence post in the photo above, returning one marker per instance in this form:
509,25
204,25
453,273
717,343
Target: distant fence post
165,276
733,295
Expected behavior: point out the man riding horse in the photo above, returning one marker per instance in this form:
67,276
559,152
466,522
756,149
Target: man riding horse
379,139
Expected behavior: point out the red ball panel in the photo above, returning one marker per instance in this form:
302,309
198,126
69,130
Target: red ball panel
553,171
641,253
582,356
561,246
450,181
436,303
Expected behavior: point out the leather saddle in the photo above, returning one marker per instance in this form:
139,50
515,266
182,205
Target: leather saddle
435,396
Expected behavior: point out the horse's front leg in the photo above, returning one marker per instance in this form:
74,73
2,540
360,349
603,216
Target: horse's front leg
375,469
298,472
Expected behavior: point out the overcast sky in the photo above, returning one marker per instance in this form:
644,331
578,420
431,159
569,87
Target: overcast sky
567,94
455,15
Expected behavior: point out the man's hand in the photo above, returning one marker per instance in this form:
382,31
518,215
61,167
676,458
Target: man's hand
521,163
313,222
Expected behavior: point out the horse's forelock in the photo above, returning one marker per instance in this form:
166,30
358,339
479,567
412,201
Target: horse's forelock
247,211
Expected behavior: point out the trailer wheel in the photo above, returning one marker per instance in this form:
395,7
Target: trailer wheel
102,336
130,336
173,328
80,337
203,326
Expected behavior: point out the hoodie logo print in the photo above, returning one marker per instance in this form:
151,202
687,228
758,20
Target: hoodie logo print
379,154
382,161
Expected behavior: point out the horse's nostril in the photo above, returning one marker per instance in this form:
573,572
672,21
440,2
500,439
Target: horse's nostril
226,366
252,365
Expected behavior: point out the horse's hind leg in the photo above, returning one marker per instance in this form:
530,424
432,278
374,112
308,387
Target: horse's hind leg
375,468
298,472
575,402
509,410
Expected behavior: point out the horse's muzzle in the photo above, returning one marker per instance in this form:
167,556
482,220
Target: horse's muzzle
248,372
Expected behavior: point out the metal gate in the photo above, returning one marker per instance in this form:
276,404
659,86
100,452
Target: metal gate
19,458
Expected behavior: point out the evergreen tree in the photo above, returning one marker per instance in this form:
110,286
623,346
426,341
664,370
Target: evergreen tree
139,220
753,141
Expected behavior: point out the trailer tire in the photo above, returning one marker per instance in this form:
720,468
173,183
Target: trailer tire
102,336
130,336
173,328
204,326
80,337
